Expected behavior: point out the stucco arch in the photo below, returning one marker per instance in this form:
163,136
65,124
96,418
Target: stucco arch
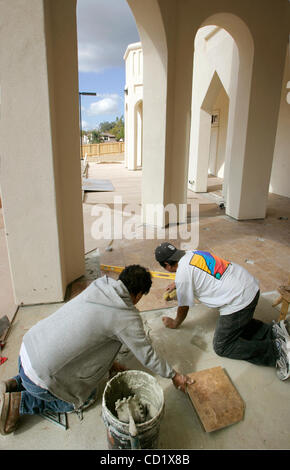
240,90
237,83
237,28
155,52
203,133
251,140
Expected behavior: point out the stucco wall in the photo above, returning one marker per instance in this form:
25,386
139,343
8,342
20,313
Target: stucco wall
215,50
133,103
167,29
214,85
40,182
280,182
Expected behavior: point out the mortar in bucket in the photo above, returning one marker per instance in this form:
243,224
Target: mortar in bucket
142,389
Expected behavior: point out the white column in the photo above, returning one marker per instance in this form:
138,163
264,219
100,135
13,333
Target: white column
131,125
40,162
139,142
126,134
200,154
254,132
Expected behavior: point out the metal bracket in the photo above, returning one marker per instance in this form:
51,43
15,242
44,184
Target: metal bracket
60,419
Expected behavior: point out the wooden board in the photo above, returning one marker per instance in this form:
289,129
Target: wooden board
215,399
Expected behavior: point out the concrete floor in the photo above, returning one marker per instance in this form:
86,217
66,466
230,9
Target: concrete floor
265,243
266,423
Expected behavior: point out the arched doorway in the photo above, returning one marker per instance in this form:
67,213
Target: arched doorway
220,98
214,64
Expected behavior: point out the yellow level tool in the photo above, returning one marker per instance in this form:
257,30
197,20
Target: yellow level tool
118,269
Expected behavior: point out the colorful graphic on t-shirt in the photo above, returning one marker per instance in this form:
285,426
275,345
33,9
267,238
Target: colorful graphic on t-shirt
209,263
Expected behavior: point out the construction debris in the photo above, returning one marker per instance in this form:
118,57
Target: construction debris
4,325
109,246
2,360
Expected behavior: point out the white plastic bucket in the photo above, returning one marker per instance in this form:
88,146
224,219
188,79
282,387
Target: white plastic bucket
150,394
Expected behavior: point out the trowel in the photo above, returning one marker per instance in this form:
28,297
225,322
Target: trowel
170,295
130,410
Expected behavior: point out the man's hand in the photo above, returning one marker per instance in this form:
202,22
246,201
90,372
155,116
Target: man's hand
116,367
181,381
171,287
180,316
169,322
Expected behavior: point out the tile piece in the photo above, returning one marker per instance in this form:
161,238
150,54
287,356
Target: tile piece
215,399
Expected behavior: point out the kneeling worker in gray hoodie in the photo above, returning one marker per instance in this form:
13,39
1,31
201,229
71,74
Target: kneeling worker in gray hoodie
64,357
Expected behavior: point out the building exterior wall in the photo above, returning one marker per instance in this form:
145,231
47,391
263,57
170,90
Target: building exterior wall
279,182
214,86
216,51
167,30
40,183
133,97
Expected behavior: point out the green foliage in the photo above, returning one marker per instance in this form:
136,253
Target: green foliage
115,127
106,126
96,137
118,129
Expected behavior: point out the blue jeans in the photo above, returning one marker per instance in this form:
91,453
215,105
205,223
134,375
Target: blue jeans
35,400
240,336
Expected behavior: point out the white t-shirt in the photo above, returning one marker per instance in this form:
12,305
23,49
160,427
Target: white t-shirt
28,369
214,282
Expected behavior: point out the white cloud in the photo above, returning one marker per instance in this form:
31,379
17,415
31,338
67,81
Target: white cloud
109,105
105,28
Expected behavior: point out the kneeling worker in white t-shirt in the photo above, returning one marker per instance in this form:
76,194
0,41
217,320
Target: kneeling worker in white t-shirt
235,292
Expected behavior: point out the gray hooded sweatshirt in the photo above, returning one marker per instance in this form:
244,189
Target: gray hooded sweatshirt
72,349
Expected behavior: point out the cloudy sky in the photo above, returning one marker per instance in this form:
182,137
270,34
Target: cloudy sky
105,28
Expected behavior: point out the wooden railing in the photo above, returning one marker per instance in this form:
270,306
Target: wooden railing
92,150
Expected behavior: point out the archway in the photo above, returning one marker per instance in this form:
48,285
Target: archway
210,137
219,125
134,105
168,101
223,59
155,58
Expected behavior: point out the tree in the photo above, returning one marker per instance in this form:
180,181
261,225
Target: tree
115,128
118,129
96,136
106,126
